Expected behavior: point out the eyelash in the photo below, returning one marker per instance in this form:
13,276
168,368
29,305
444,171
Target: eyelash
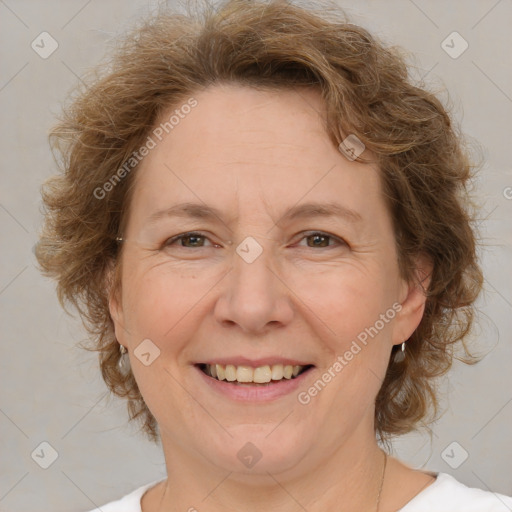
307,234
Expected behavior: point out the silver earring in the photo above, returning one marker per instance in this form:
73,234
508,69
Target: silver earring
400,354
124,362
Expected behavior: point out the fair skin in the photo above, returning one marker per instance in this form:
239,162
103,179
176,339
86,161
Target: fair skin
253,155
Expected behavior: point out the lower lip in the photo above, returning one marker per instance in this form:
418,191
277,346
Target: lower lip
254,393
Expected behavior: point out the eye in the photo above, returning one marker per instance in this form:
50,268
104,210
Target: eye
320,239
193,238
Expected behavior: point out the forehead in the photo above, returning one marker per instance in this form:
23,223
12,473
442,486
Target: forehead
252,122
249,146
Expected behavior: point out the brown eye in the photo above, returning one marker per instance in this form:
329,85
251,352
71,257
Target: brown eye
188,240
321,240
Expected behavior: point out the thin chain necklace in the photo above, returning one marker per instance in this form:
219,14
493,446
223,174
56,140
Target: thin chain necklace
378,495
381,481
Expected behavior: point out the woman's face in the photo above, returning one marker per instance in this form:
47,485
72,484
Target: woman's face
264,281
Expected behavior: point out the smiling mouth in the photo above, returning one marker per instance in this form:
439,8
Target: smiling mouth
262,375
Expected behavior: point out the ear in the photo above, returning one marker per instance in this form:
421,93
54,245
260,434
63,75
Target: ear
113,288
413,300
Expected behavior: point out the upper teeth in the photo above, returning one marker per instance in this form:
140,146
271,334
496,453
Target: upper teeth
260,375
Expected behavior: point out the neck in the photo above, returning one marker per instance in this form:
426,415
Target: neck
348,479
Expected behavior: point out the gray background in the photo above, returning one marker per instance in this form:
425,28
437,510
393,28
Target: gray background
52,391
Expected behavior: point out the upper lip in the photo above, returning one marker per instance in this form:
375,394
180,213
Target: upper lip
255,363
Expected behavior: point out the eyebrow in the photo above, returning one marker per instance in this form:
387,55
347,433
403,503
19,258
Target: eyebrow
307,210
302,211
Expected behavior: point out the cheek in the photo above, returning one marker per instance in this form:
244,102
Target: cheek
339,299
161,307
347,300
158,300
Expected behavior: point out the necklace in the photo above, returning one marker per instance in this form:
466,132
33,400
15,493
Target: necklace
381,481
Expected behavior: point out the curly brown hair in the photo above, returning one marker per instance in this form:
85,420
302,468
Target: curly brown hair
423,160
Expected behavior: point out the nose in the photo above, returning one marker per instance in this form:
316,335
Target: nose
253,295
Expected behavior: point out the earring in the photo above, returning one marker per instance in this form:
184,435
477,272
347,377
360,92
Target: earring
400,354
124,362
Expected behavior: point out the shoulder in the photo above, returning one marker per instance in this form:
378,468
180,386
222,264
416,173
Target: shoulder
447,493
129,503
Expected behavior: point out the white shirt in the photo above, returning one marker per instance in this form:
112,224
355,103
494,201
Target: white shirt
445,494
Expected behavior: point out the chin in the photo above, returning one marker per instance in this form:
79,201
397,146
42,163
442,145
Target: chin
258,450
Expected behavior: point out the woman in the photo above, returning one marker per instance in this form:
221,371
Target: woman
264,225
